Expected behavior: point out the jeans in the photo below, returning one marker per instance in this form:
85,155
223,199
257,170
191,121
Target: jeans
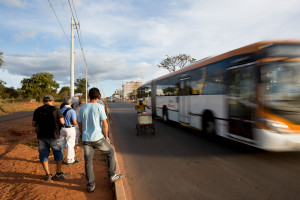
89,149
44,149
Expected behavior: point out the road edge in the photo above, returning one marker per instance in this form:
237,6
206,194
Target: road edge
119,186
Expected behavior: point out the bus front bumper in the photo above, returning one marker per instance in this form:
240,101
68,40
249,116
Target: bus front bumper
273,141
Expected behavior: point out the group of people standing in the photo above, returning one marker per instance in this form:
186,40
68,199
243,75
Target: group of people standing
56,129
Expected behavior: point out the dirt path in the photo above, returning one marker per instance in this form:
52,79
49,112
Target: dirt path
21,172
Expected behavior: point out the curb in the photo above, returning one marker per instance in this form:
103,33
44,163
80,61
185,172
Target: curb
119,186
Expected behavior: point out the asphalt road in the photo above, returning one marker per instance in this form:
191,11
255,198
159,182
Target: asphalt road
179,163
17,115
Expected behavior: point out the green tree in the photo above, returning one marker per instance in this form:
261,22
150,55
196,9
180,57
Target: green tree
80,85
2,83
11,93
39,85
2,89
175,62
1,61
65,91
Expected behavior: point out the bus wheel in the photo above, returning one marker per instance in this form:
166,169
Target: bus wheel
165,115
209,126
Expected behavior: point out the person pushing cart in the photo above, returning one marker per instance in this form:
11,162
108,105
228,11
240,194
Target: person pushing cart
140,107
144,119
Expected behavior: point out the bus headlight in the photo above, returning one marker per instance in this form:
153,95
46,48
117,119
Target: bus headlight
276,126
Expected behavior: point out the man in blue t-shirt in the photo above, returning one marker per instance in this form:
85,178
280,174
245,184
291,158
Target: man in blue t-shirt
68,131
91,121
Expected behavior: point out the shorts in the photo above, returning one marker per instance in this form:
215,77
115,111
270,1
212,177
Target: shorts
44,149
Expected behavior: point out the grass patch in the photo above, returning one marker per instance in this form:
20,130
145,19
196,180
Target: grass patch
6,108
32,144
17,107
12,141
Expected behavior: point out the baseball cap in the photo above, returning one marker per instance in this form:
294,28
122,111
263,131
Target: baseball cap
48,97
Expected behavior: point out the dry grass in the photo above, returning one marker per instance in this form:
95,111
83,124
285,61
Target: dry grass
6,108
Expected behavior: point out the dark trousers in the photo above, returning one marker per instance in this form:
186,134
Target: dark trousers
89,149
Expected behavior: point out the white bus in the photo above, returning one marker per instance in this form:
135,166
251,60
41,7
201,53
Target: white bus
251,95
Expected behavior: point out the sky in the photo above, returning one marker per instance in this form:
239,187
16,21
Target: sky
125,40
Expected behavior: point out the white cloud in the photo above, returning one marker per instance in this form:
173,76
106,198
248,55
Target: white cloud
13,3
125,40
25,34
100,66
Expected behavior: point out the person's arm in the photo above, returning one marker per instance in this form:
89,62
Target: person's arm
79,101
105,129
136,107
62,120
60,116
80,127
34,118
74,117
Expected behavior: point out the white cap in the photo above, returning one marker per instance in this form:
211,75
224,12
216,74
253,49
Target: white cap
78,95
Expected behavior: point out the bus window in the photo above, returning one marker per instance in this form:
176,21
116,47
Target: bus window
214,82
168,87
144,91
195,82
241,100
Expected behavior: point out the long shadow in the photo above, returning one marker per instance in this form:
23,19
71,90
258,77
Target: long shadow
10,177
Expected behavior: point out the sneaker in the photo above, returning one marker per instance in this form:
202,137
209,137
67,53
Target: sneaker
75,162
60,176
48,177
115,177
91,189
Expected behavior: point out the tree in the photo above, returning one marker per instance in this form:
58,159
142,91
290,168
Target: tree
1,61
65,91
133,94
10,92
2,83
39,85
2,89
80,85
172,63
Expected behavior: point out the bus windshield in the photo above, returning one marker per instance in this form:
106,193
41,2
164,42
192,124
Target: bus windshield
281,86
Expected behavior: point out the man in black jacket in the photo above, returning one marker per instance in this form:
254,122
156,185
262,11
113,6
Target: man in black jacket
47,120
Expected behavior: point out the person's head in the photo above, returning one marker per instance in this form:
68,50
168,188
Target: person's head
141,102
48,99
94,93
67,100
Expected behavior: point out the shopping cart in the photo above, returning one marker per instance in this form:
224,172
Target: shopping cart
144,123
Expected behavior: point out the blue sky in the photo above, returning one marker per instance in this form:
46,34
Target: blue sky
124,40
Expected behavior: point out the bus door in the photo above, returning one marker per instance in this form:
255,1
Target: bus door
184,101
241,89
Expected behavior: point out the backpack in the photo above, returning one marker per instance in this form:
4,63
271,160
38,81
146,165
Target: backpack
47,122
64,114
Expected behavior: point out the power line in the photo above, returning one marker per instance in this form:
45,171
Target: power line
71,10
75,10
77,61
77,25
58,21
64,10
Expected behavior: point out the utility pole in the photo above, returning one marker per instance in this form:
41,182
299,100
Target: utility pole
72,59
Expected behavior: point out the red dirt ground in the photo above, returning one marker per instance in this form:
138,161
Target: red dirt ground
21,172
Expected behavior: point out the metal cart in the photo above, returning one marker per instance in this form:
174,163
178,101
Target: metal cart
144,123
